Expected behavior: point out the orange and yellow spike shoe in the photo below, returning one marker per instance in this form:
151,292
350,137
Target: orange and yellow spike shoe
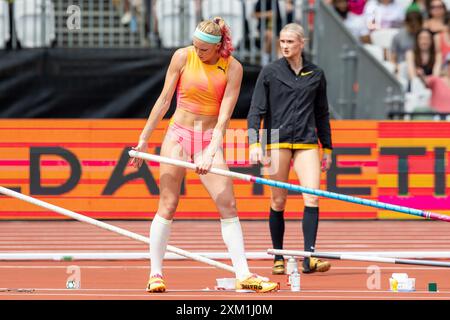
257,284
156,284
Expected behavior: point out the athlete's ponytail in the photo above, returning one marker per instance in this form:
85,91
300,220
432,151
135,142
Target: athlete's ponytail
226,47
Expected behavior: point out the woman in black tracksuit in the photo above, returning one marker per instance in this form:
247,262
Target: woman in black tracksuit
290,95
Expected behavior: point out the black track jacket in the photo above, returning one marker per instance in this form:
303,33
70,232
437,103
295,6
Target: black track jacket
296,105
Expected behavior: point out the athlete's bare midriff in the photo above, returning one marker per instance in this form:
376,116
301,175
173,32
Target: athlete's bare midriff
192,120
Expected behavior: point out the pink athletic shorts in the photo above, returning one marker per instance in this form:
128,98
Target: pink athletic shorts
190,140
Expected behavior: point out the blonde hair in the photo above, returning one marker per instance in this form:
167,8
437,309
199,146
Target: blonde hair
294,28
209,27
218,27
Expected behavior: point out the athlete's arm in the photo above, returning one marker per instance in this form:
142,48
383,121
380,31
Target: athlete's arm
258,108
322,117
163,103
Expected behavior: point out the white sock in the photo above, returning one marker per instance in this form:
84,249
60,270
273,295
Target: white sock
232,236
159,237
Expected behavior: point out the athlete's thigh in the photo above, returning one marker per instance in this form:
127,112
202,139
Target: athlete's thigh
307,167
280,165
220,188
170,176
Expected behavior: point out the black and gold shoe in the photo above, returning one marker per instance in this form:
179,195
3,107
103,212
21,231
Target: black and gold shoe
315,265
278,267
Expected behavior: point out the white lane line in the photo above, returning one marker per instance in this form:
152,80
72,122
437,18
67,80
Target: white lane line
195,267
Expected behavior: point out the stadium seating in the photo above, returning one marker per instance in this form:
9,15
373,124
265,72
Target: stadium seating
176,22
35,22
231,11
419,97
376,51
252,21
4,23
404,3
383,38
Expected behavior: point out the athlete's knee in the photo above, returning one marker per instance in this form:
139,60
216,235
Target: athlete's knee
168,204
311,200
226,205
278,203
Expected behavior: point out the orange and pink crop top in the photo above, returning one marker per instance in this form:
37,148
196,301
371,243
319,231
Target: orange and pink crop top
201,86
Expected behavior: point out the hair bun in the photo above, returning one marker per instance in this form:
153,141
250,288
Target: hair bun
219,21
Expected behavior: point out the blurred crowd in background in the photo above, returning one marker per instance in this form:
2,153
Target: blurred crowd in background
410,38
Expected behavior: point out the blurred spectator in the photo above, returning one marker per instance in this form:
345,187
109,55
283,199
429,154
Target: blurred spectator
12,42
419,6
356,6
382,14
440,88
131,11
405,38
423,59
442,41
356,24
151,25
437,14
267,15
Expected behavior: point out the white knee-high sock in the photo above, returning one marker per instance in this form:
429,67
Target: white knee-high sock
232,236
159,237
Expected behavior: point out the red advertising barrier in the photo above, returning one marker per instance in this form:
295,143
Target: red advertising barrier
81,165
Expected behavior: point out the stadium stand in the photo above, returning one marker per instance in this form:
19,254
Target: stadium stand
4,24
35,22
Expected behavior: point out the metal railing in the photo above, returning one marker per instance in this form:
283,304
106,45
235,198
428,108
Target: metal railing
5,33
177,19
73,23
102,23
153,23
29,21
